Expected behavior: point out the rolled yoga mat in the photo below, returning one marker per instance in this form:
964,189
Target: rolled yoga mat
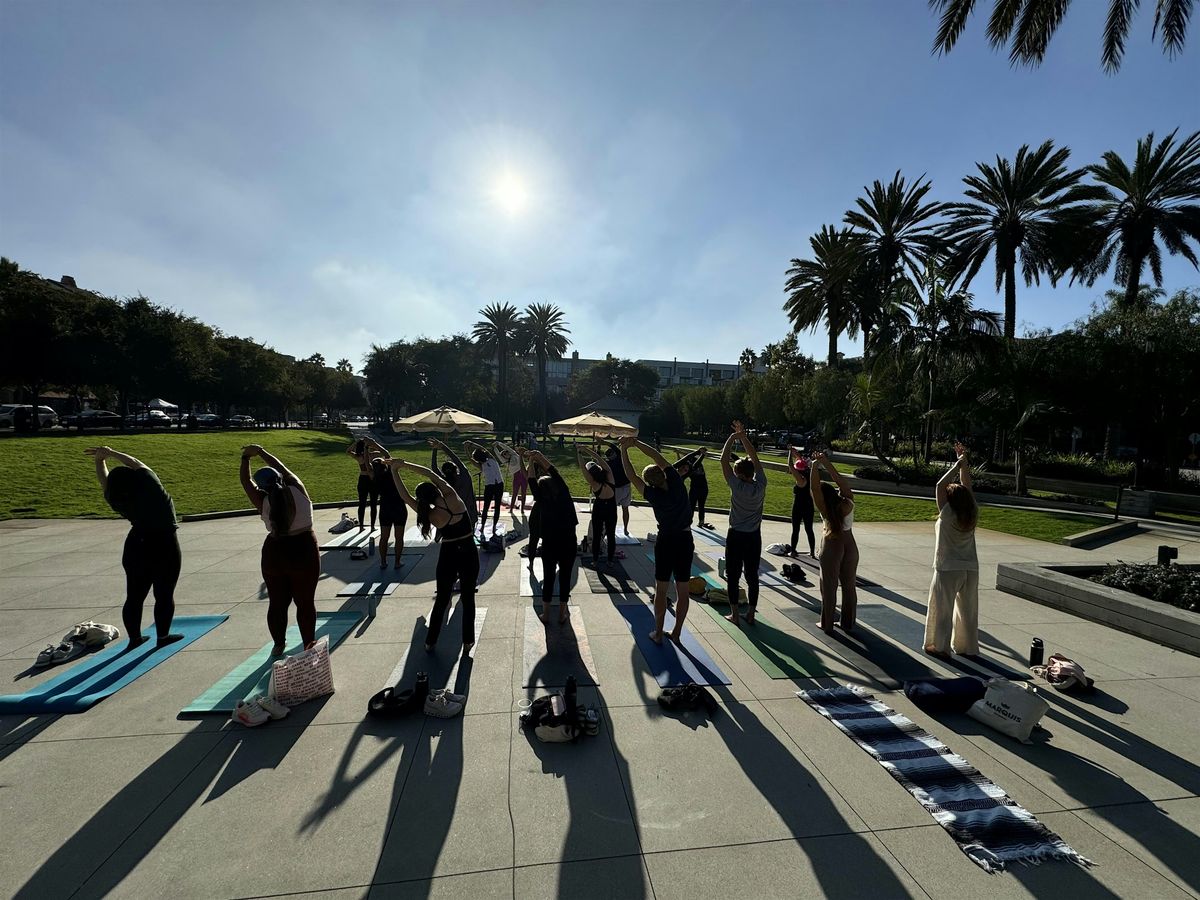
779,654
554,651
253,677
106,671
671,664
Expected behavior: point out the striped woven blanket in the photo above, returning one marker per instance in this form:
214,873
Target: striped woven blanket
989,826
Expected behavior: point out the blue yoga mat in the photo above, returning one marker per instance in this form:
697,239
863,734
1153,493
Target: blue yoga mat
106,671
709,578
684,663
253,677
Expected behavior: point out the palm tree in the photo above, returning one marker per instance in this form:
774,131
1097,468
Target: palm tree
497,333
543,332
1030,209
747,360
898,230
821,288
1027,26
1153,202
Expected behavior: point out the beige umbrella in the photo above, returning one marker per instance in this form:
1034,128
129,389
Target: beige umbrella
444,418
593,425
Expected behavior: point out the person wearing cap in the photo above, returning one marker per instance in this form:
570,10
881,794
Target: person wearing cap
291,560
802,502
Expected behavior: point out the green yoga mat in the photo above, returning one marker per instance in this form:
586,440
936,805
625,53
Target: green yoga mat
254,675
777,653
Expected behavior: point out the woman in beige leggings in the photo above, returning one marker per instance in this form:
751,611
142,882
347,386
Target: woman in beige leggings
839,552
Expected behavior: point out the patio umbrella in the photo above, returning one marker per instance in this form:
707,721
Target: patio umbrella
160,403
593,425
444,418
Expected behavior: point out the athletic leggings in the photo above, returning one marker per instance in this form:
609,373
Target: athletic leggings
492,493
839,564
291,566
151,560
558,557
802,512
535,529
698,495
743,550
604,522
458,560
367,489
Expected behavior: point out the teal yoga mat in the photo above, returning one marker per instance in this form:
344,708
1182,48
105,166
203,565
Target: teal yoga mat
106,671
709,578
254,675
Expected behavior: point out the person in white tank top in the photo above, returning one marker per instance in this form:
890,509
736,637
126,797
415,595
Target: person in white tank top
952,618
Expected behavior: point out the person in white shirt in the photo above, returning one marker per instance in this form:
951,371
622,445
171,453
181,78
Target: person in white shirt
493,483
952,619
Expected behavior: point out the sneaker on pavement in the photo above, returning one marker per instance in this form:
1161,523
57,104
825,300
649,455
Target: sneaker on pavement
439,705
273,707
452,697
249,714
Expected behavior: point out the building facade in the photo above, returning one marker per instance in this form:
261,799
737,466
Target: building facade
671,372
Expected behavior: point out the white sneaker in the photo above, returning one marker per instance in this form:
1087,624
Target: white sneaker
439,705
273,707
453,698
249,714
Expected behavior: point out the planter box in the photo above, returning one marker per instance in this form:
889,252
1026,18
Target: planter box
1065,587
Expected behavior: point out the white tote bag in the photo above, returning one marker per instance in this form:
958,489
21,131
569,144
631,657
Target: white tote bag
1013,709
305,676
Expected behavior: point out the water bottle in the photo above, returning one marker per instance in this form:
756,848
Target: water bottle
1037,652
371,547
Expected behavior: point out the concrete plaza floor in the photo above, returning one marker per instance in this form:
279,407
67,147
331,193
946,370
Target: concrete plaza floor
766,799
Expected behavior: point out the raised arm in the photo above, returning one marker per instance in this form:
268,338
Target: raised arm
814,487
799,477
379,448
288,476
432,474
964,462
942,493
739,432
726,453
820,460
655,457
103,454
582,463
394,466
635,477
253,493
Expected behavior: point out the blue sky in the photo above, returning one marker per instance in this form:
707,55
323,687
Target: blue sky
321,176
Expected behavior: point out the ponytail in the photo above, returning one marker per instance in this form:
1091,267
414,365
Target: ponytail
425,494
283,508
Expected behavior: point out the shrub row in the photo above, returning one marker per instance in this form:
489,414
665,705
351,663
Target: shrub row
1175,585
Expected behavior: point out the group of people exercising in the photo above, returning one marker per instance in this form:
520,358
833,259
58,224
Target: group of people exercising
444,503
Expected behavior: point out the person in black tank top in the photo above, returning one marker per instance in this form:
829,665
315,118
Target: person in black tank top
393,512
437,505
802,502
601,483
363,451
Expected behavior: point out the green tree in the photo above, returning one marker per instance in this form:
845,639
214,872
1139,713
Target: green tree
497,333
899,230
1031,211
1152,202
543,334
746,361
1026,27
635,382
821,289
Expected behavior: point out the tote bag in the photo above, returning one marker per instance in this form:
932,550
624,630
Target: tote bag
1009,708
305,676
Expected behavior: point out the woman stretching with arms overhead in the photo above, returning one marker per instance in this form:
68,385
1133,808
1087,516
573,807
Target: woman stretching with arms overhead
291,561
802,502
839,552
437,505
557,523
954,592
604,501
363,451
151,558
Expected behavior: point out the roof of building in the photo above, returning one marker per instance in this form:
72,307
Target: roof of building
612,403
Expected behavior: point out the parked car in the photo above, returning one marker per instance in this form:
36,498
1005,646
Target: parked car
150,418
46,416
93,418
209,420
241,421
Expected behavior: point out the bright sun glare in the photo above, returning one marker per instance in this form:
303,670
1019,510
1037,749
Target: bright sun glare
510,194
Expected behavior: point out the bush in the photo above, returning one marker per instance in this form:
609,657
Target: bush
985,485
1079,467
909,471
850,445
1175,585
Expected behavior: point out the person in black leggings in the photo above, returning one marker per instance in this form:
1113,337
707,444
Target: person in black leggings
802,502
535,515
599,478
437,505
151,557
493,483
455,471
559,542
363,450
691,467
393,512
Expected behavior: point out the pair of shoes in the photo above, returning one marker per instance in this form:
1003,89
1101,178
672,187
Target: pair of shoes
687,696
56,654
793,572
709,525
258,710
442,704
389,702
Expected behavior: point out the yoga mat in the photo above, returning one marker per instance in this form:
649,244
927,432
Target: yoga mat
443,664
718,554
489,563
349,540
490,528
610,580
671,664
530,580
911,633
253,677
815,565
106,671
712,537
369,588
779,654
552,652
867,653
413,539
710,578
627,540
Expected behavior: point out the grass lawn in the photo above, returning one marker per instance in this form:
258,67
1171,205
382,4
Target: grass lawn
50,477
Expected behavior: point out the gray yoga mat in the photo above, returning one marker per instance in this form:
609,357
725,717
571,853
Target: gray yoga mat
352,539
554,651
612,579
443,663
530,581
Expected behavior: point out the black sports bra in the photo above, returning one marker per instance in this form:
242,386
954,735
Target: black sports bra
457,528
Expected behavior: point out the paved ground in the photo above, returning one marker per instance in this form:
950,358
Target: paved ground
765,800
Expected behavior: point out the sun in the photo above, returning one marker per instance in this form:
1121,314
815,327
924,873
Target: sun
510,194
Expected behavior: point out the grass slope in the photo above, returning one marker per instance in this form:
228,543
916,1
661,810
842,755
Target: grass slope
51,478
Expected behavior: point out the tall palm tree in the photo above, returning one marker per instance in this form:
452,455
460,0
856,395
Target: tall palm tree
497,332
1032,210
1026,26
747,360
1154,201
543,332
898,230
821,288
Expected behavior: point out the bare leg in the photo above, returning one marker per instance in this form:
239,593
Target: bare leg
660,610
682,602
385,534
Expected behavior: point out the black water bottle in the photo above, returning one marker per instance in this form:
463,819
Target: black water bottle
1037,652
570,697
